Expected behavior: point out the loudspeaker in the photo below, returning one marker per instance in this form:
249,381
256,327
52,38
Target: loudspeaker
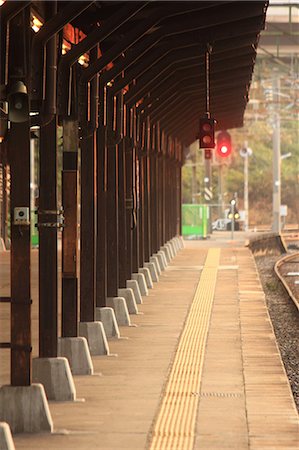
18,103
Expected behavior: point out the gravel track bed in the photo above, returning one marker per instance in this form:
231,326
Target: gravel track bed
285,319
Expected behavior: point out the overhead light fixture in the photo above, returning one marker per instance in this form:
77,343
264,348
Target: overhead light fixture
36,23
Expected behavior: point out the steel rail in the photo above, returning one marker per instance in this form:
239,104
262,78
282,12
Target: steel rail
282,278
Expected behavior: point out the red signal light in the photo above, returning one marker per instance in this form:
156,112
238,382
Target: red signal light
224,145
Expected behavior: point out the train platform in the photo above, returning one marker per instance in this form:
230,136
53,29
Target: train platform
199,369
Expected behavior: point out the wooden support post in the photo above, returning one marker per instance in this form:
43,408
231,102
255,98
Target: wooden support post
163,198
112,206
19,155
168,198
47,214
69,320
122,243
160,199
147,195
101,211
153,196
88,198
141,158
5,196
146,209
129,206
122,223
135,235
47,208
19,158
87,229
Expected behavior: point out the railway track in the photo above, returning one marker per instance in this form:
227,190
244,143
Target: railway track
287,270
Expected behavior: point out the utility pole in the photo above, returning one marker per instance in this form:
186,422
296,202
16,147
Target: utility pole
245,152
221,205
276,226
194,179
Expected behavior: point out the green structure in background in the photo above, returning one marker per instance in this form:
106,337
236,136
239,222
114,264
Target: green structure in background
195,220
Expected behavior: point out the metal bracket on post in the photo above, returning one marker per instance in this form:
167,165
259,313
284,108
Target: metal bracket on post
58,214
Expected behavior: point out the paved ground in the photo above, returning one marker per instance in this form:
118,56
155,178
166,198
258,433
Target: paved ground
244,400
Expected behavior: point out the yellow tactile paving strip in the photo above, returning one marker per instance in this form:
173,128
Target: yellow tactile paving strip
175,424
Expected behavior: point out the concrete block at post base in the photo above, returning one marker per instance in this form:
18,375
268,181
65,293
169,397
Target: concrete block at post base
140,278
181,240
2,248
56,377
169,246
166,252
151,267
6,442
76,350
173,247
96,337
171,253
162,260
155,261
133,284
106,315
177,243
120,308
129,297
25,409
148,279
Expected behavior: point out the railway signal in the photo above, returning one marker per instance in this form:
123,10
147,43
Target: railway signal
224,144
208,153
207,133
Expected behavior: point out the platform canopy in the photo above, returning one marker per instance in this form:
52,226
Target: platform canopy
162,48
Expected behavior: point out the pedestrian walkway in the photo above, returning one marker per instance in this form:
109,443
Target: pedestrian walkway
199,369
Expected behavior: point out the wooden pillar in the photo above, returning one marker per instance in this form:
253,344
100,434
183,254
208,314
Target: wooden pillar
122,219
69,319
47,209
112,205
101,211
19,158
47,214
130,220
4,195
141,215
146,209
89,125
87,227
136,229
160,195
163,198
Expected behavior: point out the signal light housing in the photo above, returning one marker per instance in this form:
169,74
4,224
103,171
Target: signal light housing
224,144
208,153
206,133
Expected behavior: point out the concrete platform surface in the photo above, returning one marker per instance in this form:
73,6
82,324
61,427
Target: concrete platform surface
244,400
